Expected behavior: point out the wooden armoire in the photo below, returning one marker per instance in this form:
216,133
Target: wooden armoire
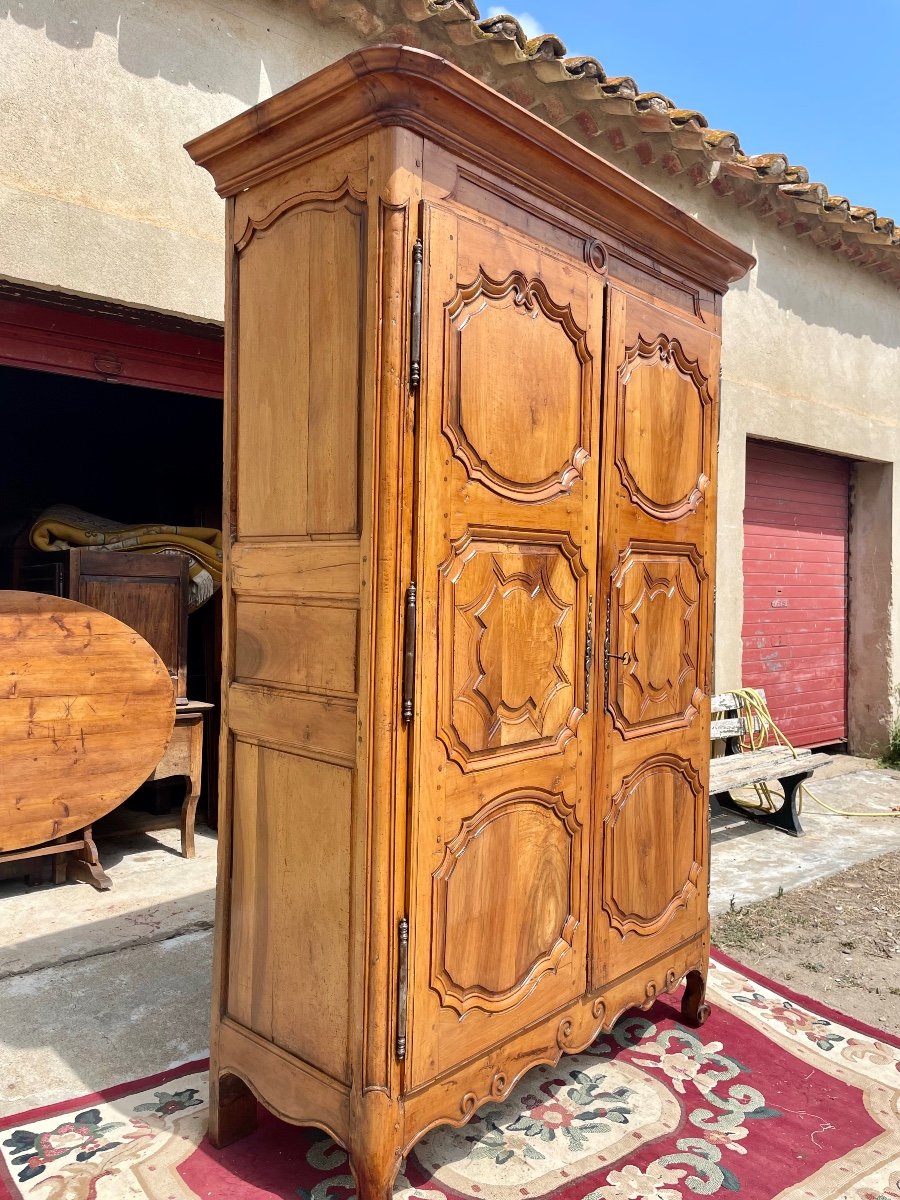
472,409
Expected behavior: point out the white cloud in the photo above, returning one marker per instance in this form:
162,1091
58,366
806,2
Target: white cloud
529,24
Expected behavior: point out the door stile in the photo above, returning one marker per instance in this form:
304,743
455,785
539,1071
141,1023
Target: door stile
598,967
419,410
395,188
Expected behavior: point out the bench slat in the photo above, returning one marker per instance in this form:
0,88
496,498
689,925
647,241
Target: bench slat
768,754
728,702
741,770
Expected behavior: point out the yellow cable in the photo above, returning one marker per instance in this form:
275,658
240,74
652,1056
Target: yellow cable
754,711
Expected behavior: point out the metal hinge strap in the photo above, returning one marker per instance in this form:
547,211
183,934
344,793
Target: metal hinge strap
409,654
402,984
415,324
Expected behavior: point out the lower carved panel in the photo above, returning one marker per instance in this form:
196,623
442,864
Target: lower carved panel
504,901
652,845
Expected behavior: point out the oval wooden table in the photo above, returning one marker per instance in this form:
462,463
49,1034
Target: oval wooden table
86,712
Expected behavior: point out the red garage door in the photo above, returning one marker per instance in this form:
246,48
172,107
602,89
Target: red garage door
796,521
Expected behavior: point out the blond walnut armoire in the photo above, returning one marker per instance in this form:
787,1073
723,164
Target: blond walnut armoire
472,408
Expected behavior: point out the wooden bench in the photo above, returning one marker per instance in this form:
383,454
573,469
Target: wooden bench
740,769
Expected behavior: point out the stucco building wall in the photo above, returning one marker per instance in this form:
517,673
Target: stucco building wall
99,198
97,97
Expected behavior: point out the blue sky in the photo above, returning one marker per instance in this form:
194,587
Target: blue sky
812,80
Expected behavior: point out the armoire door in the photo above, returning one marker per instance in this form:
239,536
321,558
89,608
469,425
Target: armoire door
507,433
650,861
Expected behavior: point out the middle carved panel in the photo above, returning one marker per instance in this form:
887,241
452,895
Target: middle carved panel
655,636
507,628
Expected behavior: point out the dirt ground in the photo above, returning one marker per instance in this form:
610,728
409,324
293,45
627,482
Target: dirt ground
837,940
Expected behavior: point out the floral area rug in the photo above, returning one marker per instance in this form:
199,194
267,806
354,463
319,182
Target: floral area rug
776,1096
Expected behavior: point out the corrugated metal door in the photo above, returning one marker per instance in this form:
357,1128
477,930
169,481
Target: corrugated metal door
796,527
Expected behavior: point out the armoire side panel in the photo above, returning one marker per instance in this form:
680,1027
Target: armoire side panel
294,610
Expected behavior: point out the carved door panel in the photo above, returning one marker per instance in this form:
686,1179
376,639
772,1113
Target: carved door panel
650,871
507,531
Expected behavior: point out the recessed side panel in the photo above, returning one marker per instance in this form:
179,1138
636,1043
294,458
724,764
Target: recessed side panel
311,646
289,944
300,329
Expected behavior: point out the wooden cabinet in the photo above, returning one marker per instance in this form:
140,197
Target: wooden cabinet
471,428
149,592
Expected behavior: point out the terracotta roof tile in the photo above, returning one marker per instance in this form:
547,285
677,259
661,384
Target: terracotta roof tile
681,117
648,124
584,68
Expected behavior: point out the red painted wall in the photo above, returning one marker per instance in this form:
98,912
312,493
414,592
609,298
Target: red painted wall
39,337
796,526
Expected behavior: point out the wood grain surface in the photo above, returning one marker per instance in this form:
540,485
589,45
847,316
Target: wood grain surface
86,711
429,885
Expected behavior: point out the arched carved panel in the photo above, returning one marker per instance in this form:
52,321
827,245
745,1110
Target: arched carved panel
662,428
652,845
518,385
504,901
343,196
655,638
509,629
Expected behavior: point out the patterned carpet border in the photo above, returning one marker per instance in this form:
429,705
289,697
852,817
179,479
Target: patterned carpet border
201,1064
810,1002
778,1097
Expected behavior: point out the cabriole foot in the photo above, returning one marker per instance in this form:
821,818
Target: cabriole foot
694,1009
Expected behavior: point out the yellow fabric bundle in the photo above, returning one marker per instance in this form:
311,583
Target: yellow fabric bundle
63,527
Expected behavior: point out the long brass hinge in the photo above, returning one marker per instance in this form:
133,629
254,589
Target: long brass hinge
402,984
409,654
415,324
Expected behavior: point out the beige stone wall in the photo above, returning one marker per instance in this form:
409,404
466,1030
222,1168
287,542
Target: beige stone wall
96,100
99,198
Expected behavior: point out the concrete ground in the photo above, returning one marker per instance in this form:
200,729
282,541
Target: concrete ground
101,987
750,862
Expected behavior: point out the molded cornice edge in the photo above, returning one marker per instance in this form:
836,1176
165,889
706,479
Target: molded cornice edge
400,86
